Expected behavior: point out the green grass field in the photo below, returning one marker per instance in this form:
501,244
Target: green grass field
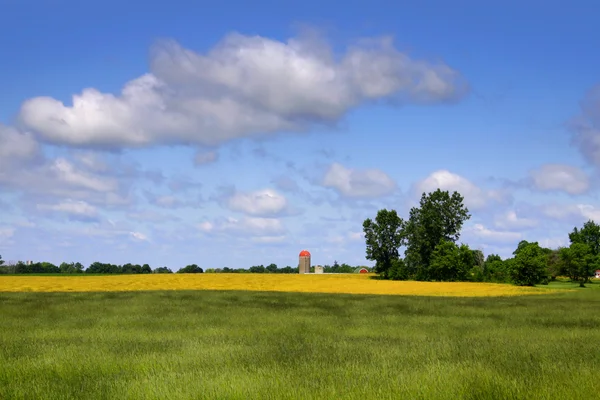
255,345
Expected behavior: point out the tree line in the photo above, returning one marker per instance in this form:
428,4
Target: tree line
430,237
107,268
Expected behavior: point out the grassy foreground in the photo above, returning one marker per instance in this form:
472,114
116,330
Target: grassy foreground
256,345
325,283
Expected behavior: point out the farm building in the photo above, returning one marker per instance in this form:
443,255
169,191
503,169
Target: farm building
304,262
361,270
598,274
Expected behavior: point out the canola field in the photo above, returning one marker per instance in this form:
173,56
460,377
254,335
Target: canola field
325,283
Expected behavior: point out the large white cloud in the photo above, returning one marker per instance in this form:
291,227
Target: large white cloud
560,177
244,86
474,196
265,202
367,183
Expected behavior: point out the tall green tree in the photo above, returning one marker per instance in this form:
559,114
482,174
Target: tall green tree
528,268
589,235
383,238
439,217
579,262
1,260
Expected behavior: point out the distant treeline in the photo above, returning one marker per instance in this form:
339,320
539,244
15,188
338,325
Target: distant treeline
106,268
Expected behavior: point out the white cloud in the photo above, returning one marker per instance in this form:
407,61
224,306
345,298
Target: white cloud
265,202
481,232
244,86
510,220
138,236
566,211
474,196
560,177
16,145
367,183
269,239
247,226
69,174
73,207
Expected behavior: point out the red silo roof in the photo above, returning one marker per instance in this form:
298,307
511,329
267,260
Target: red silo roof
304,253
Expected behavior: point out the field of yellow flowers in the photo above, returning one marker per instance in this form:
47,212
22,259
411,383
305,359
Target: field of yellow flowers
325,283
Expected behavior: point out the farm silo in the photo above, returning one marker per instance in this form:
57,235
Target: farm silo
304,262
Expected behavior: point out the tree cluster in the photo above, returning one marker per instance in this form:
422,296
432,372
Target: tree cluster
94,268
430,237
107,268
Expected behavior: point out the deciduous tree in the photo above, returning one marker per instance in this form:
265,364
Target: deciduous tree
529,264
383,238
589,234
579,262
439,217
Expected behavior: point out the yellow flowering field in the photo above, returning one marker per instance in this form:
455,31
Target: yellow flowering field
325,283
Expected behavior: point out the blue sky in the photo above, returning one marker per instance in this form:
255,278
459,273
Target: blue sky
220,134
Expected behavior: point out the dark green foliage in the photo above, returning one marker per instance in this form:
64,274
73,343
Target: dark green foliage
271,268
579,262
439,217
337,268
191,269
450,262
383,238
249,345
260,269
496,270
436,222
1,260
163,270
529,264
36,268
398,271
71,268
589,235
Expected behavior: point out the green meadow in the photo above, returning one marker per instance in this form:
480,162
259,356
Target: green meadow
257,345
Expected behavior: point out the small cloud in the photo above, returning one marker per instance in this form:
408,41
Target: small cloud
353,183
567,211
474,196
247,226
265,202
510,220
138,236
561,177
74,208
481,232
